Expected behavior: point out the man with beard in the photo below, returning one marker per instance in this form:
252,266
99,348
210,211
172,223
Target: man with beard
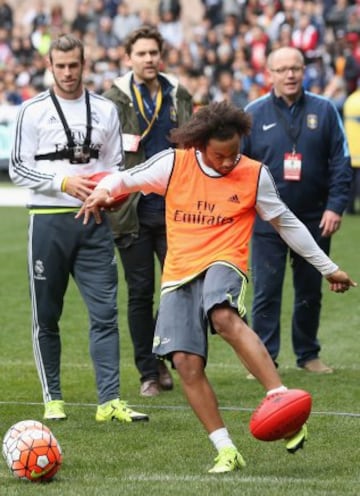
64,136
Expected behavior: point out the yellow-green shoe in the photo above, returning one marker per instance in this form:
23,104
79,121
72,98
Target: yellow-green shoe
54,410
228,459
118,410
297,441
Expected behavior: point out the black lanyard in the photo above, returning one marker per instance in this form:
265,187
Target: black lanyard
292,132
70,139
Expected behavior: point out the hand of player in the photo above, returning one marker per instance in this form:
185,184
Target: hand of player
78,186
340,281
99,198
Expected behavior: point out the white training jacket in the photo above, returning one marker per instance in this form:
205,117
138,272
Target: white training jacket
39,131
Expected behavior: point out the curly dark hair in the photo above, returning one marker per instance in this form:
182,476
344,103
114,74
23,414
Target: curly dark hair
219,120
146,31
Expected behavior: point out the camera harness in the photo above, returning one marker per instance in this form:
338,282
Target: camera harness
74,153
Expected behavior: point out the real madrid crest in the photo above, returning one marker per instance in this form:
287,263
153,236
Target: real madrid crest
39,267
312,121
39,270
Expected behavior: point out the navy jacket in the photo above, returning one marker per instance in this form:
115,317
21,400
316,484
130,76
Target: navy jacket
314,125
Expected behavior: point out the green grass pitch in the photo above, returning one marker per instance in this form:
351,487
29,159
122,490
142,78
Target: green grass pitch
171,453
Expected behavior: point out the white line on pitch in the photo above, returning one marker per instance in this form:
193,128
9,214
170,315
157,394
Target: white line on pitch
180,407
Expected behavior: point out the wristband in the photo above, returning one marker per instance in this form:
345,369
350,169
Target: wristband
63,184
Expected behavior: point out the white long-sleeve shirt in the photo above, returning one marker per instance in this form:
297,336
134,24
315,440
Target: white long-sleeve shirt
39,131
153,176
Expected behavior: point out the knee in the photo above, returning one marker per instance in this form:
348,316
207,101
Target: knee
189,367
222,319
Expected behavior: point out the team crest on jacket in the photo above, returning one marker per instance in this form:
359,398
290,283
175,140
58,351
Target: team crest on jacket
312,121
39,270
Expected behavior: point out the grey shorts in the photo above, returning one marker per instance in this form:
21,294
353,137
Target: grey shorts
183,318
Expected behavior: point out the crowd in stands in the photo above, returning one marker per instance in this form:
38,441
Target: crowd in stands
221,57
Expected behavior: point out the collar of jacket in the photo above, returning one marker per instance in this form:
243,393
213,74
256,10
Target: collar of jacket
280,102
123,83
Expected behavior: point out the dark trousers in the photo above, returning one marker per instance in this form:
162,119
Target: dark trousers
60,246
139,261
269,256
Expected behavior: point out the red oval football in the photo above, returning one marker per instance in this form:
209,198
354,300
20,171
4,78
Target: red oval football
97,176
119,199
280,415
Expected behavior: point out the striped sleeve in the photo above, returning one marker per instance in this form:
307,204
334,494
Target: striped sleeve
23,170
151,176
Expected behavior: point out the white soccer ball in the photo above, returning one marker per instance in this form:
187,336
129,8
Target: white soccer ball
16,429
32,453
